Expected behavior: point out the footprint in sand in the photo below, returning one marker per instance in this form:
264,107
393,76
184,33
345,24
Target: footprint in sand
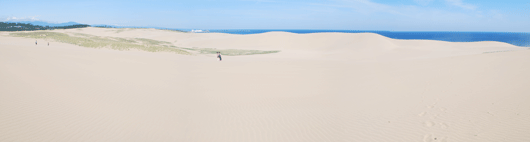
433,104
443,125
427,138
429,123
434,116
432,138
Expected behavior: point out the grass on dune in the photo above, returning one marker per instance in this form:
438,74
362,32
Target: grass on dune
120,30
152,42
86,40
144,44
230,52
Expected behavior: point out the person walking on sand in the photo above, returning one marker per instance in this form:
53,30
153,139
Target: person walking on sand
35,42
219,56
48,43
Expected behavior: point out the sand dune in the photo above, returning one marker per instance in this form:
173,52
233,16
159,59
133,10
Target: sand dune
320,87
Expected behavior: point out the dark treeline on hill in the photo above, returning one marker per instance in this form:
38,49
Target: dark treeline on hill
6,26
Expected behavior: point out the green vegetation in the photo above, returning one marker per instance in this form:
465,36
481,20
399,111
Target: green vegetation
101,42
144,44
152,42
229,52
7,26
120,30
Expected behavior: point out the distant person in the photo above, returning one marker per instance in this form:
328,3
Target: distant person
35,42
219,56
48,43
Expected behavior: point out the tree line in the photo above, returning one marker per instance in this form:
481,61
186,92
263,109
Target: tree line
7,26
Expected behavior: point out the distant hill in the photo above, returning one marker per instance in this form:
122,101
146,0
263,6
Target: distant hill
9,26
44,24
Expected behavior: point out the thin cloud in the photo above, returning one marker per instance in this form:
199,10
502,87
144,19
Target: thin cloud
29,18
363,6
423,2
461,4
260,0
406,15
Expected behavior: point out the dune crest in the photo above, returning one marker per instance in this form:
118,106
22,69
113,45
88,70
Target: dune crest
362,47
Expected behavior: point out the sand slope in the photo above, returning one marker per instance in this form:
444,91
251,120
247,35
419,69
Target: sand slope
314,90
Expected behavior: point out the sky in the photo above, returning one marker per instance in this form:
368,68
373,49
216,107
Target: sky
385,15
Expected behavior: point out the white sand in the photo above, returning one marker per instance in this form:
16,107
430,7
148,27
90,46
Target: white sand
320,87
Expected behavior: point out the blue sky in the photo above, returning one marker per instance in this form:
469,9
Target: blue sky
393,15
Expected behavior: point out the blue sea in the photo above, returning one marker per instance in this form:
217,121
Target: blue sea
515,38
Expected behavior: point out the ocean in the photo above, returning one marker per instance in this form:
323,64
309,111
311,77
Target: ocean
515,38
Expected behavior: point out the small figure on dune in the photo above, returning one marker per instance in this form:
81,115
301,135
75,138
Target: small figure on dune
35,42
219,56
48,43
